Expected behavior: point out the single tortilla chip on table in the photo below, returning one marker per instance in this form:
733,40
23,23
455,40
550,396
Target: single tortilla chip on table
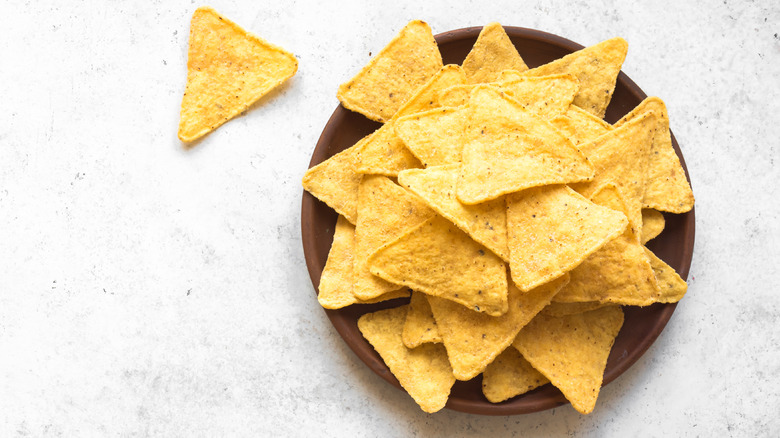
439,259
507,149
596,67
424,372
420,326
335,288
384,152
667,188
552,229
335,181
228,69
572,351
653,224
492,53
485,223
392,76
473,339
385,211
580,126
510,375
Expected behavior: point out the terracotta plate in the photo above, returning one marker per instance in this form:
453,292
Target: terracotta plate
642,325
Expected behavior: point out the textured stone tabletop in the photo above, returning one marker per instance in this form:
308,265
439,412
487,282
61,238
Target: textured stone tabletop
151,290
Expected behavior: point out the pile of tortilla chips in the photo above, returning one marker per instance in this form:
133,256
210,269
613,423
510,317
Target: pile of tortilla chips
512,213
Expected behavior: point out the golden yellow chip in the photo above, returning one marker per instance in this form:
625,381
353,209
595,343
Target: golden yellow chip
474,339
424,372
485,223
385,153
335,289
335,181
385,211
393,75
439,259
619,272
580,126
564,309
572,351
435,136
492,53
653,224
510,75
507,148
551,230
228,70
596,67
671,287
510,375
667,188
620,157
420,326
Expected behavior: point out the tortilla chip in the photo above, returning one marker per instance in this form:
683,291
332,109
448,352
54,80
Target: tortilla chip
667,188
620,157
580,126
228,70
385,211
439,259
424,372
653,224
492,53
507,148
551,230
510,375
473,339
564,309
596,67
671,287
510,75
485,223
385,153
335,289
572,351
420,326
619,272
393,75
335,181
435,136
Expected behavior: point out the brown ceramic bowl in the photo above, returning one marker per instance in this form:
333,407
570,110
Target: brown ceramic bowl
642,325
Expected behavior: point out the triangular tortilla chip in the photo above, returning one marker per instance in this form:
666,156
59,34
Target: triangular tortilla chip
619,272
335,181
385,211
420,326
335,289
435,136
572,351
545,96
485,223
507,148
564,309
667,188
510,375
551,230
474,339
620,157
510,75
393,75
580,126
653,224
671,287
439,259
424,372
596,67
385,153
228,70
492,53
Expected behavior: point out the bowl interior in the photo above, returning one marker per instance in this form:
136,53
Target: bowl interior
642,325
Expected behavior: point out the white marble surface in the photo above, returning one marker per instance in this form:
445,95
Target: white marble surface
150,290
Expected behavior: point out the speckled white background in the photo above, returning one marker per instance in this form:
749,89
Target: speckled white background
149,290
